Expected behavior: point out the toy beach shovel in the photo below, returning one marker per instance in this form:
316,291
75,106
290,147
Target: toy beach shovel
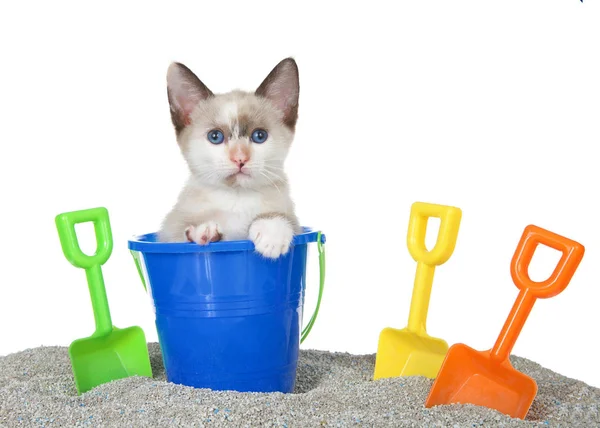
411,351
110,353
486,378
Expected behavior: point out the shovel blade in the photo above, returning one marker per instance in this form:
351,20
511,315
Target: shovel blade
405,353
117,355
468,376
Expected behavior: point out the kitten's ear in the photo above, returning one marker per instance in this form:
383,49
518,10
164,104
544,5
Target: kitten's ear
282,88
185,91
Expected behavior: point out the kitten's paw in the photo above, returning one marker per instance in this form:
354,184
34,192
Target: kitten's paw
272,237
204,233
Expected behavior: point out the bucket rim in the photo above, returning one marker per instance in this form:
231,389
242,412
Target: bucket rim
147,243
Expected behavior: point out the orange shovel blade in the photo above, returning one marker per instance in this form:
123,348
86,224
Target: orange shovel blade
468,376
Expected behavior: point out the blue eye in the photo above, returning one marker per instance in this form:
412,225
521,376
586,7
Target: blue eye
215,136
259,136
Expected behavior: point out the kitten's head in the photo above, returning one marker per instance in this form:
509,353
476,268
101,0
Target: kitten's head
237,139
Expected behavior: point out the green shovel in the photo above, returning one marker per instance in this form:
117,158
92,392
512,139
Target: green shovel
110,353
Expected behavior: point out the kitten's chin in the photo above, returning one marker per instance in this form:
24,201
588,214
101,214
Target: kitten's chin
245,180
239,179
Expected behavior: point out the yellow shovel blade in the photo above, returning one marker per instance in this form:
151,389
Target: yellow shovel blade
404,353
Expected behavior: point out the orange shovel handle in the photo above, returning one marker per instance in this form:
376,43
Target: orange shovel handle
572,253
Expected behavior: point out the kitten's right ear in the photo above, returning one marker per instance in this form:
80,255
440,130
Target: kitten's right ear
185,91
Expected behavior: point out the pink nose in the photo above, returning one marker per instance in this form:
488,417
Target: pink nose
240,160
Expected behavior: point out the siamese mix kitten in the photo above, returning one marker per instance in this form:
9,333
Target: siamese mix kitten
235,145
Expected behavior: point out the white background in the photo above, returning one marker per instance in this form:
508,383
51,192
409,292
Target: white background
493,107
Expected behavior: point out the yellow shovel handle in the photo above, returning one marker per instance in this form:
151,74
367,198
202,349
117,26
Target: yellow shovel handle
427,260
417,228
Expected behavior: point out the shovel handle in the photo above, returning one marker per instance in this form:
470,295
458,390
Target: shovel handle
427,260
448,232
572,253
65,224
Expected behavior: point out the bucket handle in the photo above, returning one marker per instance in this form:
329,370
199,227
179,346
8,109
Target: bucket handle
136,256
311,322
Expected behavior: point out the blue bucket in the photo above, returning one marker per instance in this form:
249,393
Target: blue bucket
227,318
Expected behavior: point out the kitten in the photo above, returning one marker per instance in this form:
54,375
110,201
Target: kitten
235,145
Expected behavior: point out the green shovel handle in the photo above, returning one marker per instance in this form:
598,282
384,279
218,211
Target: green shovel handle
65,225
311,322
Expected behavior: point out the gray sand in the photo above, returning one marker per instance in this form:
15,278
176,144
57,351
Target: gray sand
333,389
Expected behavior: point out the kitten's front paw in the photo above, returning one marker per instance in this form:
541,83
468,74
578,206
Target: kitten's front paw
272,237
204,233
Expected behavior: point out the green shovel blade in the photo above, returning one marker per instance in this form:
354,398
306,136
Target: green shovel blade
117,355
110,353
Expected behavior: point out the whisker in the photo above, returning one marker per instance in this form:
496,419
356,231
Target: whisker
272,174
274,167
272,182
276,176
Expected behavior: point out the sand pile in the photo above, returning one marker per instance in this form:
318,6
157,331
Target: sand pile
333,389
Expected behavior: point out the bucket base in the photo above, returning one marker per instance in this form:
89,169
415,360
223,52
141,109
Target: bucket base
283,381
254,353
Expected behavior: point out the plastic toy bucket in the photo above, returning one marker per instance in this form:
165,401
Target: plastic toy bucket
227,318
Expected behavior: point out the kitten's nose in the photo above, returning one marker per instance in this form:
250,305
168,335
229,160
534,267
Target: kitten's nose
240,155
240,160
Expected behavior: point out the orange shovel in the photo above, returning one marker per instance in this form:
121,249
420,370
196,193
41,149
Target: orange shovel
486,378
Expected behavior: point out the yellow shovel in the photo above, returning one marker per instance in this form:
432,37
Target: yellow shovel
411,351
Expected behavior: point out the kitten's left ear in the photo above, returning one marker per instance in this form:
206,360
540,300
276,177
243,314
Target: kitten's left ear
282,88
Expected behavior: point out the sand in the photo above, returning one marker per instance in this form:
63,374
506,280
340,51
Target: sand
333,389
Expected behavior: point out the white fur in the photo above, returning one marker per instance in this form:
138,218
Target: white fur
272,236
219,199
232,209
204,233
228,115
